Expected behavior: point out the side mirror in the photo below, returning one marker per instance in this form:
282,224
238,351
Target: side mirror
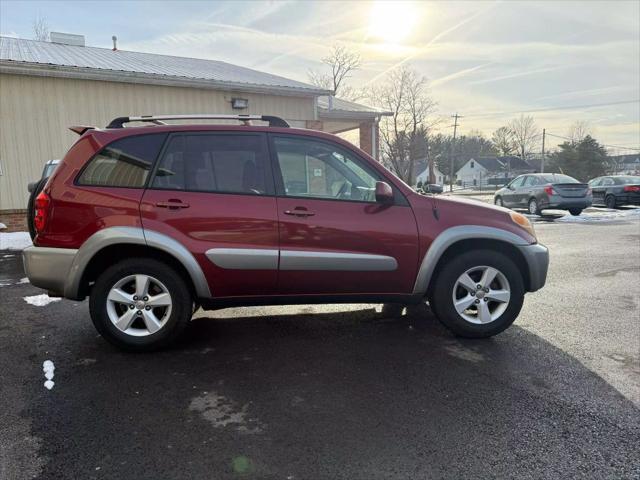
384,193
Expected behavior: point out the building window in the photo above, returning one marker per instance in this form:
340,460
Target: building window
471,163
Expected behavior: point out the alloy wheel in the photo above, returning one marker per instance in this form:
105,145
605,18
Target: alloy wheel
533,207
481,294
139,305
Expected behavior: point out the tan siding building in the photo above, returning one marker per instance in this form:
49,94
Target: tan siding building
46,87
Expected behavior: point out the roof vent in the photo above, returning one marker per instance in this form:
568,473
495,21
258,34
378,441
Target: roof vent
67,39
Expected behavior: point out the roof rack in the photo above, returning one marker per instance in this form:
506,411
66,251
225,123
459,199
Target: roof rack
159,119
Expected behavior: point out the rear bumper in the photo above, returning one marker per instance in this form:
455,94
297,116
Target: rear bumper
48,268
537,258
563,203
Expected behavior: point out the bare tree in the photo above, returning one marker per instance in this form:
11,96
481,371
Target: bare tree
503,140
524,132
579,130
41,29
342,62
403,135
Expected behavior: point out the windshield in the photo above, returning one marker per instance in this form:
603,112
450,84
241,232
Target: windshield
627,180
559,178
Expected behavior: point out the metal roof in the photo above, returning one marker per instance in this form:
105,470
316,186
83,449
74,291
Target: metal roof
334,107
19,55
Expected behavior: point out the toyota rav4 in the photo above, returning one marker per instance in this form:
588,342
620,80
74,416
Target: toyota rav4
153,221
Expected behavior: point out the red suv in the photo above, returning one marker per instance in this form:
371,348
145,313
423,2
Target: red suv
153,221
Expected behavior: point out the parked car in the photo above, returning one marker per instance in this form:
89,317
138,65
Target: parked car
616,190
539,191
152,221
34,188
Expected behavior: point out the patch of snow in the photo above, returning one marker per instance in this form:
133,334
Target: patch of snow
602,215
14,240
2,226
41,300
23,280
48,368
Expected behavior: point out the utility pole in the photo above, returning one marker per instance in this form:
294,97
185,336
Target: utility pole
453,147
544,134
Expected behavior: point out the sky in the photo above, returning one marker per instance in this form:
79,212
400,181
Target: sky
488,61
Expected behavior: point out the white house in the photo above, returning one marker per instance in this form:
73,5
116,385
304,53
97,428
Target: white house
480,171
440,177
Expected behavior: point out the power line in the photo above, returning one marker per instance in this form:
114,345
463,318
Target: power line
550,109
603,144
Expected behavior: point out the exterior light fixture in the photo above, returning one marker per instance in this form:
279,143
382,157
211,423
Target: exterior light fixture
239,103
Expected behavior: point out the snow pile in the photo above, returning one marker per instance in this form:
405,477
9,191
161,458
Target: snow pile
48,368
14,240
40,300
2,226
603,215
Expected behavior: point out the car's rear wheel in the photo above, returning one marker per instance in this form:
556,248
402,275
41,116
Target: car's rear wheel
498,201
478,293
575,211
610,201
140,304
534,208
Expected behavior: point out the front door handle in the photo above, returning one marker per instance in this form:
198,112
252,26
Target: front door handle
172,204
299,212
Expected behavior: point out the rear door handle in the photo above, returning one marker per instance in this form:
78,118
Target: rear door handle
173,204
299,212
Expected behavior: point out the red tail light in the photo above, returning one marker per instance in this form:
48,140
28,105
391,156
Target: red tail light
41,213
549,190
632,188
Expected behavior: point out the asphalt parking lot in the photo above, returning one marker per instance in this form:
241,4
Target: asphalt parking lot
331,392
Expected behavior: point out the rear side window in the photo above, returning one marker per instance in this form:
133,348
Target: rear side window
218,163
123,163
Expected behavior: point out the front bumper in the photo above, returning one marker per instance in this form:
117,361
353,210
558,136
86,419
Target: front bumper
48,268
537,258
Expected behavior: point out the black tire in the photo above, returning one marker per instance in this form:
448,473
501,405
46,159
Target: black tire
441,300
181,309
610,201
533,207
575,211
498,201
32,198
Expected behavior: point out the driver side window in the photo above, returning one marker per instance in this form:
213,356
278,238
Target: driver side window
316,169
517,183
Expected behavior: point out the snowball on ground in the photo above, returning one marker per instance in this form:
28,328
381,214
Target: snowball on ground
14,240
41,300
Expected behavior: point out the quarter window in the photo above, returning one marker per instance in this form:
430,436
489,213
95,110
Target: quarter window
123,163
213,163
317,169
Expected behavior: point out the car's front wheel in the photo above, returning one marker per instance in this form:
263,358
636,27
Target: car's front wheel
140,304
498,201
478,293
575,211
610,201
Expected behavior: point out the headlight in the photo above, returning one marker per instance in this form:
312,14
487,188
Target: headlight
524,222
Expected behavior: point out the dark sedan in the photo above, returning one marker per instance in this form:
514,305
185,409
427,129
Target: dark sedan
616,190
538,191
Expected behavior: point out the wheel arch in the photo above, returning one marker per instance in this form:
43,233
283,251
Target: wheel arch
464,238
101,248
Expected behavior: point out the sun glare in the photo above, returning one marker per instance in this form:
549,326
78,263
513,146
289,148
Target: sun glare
392,22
